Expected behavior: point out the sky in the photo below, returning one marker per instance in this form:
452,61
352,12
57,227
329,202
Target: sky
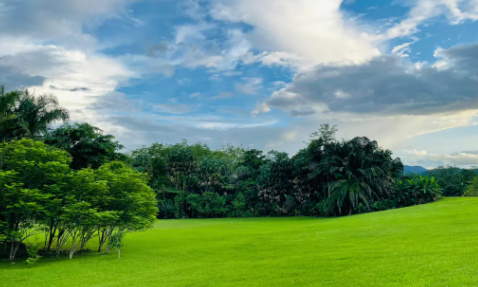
258,73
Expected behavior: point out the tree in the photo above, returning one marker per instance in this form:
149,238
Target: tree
36,113
87,145
239,205
129,203
472,188
8,124
116,241
453,180
29,170
326,133
359,172
275,181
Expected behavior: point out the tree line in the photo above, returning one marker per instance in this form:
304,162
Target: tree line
74,184
326,178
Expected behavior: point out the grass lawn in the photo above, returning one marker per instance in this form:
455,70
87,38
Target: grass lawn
428,245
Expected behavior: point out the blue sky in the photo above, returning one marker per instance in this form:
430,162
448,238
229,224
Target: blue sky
258,73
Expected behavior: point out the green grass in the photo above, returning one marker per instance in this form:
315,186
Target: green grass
428,245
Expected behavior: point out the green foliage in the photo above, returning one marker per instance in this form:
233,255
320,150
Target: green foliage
38,191
29,170
359,172
412,191
214,205
325,178
26,115
32,250
196,204
86,144
116,241
239,205
472,188
453,180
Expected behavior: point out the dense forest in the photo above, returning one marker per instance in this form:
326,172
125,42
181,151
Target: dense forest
74,183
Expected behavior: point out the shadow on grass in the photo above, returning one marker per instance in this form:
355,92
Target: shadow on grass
50,258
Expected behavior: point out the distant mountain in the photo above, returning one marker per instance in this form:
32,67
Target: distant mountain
414,169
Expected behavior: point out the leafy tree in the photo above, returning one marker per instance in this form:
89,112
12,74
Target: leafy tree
87,145
359,172
196,204
453,180
472,188
29,170
129,201
275,181
8,119
214,204
239,205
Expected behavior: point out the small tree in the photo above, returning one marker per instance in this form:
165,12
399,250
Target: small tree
116,241
129,204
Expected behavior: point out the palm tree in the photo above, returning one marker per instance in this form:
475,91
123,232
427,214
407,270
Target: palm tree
35,114
25,115
8,117
358,171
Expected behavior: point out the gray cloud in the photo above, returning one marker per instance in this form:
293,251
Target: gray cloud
114,102
175,108
75,89
55,18
13,79
386,85
136,132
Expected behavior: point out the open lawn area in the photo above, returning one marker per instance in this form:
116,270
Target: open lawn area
427,245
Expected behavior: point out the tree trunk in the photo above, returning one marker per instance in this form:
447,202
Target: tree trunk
119,253
51,237
13,251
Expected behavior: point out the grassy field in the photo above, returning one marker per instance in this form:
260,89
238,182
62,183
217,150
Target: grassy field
429,245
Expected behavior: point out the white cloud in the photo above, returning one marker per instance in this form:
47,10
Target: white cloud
251,86
260,108
45,39
422,157
302,32
456,11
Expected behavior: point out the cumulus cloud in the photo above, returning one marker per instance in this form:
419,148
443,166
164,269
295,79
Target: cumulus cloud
302,33
386,85
44,48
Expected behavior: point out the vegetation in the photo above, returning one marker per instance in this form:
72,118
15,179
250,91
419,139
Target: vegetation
426,245
72,184
327,177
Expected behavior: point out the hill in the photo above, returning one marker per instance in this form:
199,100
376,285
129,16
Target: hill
407,169
428,245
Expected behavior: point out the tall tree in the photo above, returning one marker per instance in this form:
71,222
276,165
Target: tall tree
87,144
359,172
8,118
36,113
25,115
